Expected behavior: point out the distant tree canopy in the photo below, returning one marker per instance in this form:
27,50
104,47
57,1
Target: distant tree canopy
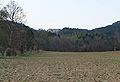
71,39
67,39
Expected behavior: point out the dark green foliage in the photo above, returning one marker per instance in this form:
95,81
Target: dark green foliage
67,39
22,39
72,39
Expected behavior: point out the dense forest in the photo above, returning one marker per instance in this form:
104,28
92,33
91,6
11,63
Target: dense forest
16,37
73,39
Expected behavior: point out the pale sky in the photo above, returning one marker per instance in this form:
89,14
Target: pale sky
85,14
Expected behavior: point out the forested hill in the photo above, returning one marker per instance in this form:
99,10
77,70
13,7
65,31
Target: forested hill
25,38
22,36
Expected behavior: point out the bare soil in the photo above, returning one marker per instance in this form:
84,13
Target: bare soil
62,67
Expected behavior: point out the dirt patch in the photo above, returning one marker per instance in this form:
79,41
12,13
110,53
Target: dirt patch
64,68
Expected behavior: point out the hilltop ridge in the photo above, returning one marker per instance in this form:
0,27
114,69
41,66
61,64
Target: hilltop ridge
66,39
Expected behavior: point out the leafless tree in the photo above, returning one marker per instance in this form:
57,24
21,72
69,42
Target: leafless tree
14,13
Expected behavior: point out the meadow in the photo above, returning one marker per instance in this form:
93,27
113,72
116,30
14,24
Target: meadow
62,67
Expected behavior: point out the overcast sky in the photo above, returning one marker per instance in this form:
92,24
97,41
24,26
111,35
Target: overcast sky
86,14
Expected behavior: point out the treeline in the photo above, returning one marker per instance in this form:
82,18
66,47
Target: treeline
26,39
15,37
22,39
71,39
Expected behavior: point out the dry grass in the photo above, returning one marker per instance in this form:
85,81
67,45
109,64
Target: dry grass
62,67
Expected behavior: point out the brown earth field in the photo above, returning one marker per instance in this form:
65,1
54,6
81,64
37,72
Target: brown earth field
62,67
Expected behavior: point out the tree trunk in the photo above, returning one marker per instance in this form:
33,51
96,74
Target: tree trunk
10,38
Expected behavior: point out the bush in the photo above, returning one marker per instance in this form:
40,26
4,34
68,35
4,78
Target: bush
10,52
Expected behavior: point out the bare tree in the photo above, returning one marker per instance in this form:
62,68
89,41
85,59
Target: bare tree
14,13
3,15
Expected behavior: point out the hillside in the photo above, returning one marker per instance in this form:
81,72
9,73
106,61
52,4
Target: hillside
99,39
22,36
25,38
